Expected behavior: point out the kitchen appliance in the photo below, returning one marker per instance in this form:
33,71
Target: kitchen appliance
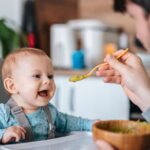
92,39
62,45
93,35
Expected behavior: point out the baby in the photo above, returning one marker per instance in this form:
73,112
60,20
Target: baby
28,116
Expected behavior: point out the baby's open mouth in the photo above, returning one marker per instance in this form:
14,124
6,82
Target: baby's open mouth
43,93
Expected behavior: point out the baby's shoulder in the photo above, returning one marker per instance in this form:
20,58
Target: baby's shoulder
4,108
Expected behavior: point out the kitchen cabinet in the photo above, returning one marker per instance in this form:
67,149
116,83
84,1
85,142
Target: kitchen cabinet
53,11
90,98
61,11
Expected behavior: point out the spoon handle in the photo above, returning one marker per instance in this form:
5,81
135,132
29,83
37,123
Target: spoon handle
103,64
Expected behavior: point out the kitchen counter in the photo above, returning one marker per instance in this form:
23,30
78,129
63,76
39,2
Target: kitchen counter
145,57
70,72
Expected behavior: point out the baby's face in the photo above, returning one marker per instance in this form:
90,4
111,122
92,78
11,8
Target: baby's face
33,78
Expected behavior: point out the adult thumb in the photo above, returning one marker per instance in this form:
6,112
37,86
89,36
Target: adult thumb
114,63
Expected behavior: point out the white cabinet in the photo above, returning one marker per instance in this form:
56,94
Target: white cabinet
91,98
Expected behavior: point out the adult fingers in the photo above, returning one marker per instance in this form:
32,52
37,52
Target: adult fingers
102,145
114,63
113,79
110,72
131,59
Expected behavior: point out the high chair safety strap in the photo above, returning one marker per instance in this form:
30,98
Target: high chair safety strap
51,133
21,118
23,121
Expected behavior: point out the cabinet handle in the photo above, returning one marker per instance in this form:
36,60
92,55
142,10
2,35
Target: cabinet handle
71,105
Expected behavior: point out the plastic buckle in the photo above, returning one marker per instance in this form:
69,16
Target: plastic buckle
17,110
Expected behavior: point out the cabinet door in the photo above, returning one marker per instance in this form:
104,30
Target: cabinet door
91,98
64,95
95,99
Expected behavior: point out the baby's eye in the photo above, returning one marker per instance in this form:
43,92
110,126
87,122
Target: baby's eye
50,76
36,76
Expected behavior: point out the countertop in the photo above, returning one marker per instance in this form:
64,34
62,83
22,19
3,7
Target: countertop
70,72
145,57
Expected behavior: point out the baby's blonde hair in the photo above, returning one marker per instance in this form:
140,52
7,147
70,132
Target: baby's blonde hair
12,58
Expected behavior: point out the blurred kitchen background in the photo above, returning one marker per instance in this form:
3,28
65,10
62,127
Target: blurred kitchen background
76,34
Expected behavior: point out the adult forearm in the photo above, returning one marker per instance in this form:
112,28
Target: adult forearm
144,96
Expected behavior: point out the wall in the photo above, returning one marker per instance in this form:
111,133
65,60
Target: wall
12,9
103,10
97,9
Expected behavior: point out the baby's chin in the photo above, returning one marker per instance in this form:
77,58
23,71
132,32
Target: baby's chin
42,103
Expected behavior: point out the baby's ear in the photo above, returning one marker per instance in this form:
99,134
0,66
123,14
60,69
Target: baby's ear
9,85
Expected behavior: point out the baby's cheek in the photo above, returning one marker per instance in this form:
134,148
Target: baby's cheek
52,89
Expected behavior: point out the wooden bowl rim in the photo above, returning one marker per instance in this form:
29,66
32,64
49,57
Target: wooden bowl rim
94,128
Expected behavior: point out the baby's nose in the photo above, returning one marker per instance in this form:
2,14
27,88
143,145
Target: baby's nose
46,81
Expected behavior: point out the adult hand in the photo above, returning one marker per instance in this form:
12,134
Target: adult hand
103,145
13,133
129,72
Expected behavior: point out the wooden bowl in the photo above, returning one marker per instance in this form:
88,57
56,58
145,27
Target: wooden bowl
123,134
